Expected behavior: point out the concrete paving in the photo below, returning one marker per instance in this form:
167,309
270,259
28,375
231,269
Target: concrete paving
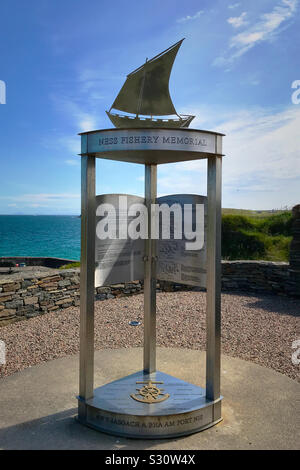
38,405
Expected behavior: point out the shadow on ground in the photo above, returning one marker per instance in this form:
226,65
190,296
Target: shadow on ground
62,431
270,302
280,306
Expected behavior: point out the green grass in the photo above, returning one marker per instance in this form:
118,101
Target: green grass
71,265
250,237
253,213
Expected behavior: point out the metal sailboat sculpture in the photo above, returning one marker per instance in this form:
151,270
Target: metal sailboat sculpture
145,94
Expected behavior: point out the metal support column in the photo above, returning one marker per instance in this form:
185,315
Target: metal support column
150,274
87,273
213,296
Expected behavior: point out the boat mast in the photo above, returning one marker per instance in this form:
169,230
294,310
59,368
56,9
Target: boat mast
142,90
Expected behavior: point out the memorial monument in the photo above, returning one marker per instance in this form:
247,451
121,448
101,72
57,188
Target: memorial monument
150,403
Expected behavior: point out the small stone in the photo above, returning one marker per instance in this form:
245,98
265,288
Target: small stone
14,304
103,290
53,307
63,301
26,283
49,285
100,297
5,297
12,286
48,279
64,283
30,300
7,312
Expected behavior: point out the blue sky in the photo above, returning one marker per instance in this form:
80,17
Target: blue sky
63,62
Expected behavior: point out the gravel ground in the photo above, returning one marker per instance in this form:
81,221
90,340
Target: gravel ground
256,328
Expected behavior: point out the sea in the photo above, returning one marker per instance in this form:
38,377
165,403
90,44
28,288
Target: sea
40,235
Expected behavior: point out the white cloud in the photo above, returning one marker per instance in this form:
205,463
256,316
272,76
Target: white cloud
188,17
54,203
72,162
72,144
84,120
264,29
261,167
91,80
233,5
88,123
263,145
238,21
41,197
178,182
254,82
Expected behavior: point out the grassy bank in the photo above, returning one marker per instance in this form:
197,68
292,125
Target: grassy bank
253,213
71,265
256,237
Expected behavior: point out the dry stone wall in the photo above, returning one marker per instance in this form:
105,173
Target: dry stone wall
295,250
25,295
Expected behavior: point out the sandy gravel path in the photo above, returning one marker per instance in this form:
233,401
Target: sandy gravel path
258,328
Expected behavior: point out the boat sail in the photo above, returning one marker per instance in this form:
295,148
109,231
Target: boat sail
145,94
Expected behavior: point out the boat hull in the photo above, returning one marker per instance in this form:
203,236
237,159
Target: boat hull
123,121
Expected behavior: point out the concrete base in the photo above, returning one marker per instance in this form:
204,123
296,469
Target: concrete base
174,410
38,405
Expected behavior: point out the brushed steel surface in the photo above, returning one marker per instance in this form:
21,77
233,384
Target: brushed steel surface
151,146
174,262
146,92
123,121
86,376
95,131
146,89
113,410
207,408
150,273
120,259
151,139
213,293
